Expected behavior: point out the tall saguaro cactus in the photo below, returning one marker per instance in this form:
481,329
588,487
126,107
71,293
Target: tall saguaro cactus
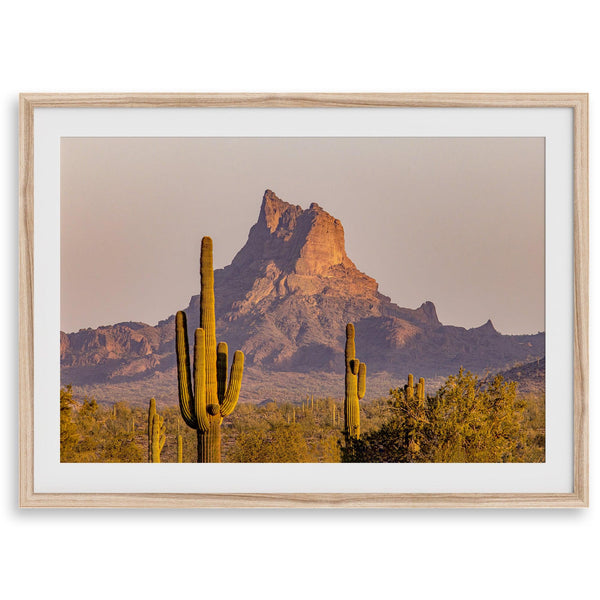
156,433
355,384
213,396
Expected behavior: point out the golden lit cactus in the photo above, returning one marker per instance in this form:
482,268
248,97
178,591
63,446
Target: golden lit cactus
355,386
151,413
156,433
212,396
421,391
179,449
415,420
410,388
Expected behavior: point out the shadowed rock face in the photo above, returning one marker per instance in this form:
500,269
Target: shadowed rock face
285,300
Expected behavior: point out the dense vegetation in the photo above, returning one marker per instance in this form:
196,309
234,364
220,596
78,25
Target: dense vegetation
466,420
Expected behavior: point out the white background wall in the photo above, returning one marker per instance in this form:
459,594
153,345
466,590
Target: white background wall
454,46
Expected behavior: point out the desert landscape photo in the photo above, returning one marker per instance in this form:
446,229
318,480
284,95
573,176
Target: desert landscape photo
293,300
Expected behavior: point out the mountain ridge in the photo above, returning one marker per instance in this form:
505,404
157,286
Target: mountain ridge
285,300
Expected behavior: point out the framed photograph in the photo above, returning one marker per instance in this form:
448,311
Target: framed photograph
303,300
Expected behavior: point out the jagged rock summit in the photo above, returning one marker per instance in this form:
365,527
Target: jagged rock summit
304,242
284,301
291,251
289,292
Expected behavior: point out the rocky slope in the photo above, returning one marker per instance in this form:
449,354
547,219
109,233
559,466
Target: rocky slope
285,300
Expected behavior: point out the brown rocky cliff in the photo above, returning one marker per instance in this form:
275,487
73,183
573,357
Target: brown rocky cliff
305,242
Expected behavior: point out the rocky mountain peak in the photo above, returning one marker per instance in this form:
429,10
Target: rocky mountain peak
277,216
487,328
297,241
428,313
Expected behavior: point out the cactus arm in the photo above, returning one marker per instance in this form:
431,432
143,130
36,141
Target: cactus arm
151,413
222,360
207,322
163,434
235,383
155,439
200,408
362,380
186,396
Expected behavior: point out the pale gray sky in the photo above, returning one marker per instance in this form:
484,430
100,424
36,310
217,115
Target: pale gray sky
458,221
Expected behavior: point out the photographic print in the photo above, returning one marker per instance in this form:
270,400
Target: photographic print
302,299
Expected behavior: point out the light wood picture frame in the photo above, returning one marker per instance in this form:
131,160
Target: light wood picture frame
30,496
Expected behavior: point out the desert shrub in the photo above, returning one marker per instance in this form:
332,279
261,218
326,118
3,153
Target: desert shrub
467,420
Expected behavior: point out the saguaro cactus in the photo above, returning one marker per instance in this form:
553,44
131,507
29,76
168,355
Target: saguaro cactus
179,449
416,417
355,384
421,391
156,433
410,387
212,396
151,413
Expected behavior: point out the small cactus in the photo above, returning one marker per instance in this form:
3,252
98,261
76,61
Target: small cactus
410,388
156,433
414,423
421,391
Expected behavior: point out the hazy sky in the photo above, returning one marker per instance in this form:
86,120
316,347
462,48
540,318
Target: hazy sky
458,221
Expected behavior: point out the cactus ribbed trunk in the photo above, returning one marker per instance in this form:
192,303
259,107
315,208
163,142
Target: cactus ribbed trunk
351,405
155,446
179,449
209,443
151,413
156,433
207,322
